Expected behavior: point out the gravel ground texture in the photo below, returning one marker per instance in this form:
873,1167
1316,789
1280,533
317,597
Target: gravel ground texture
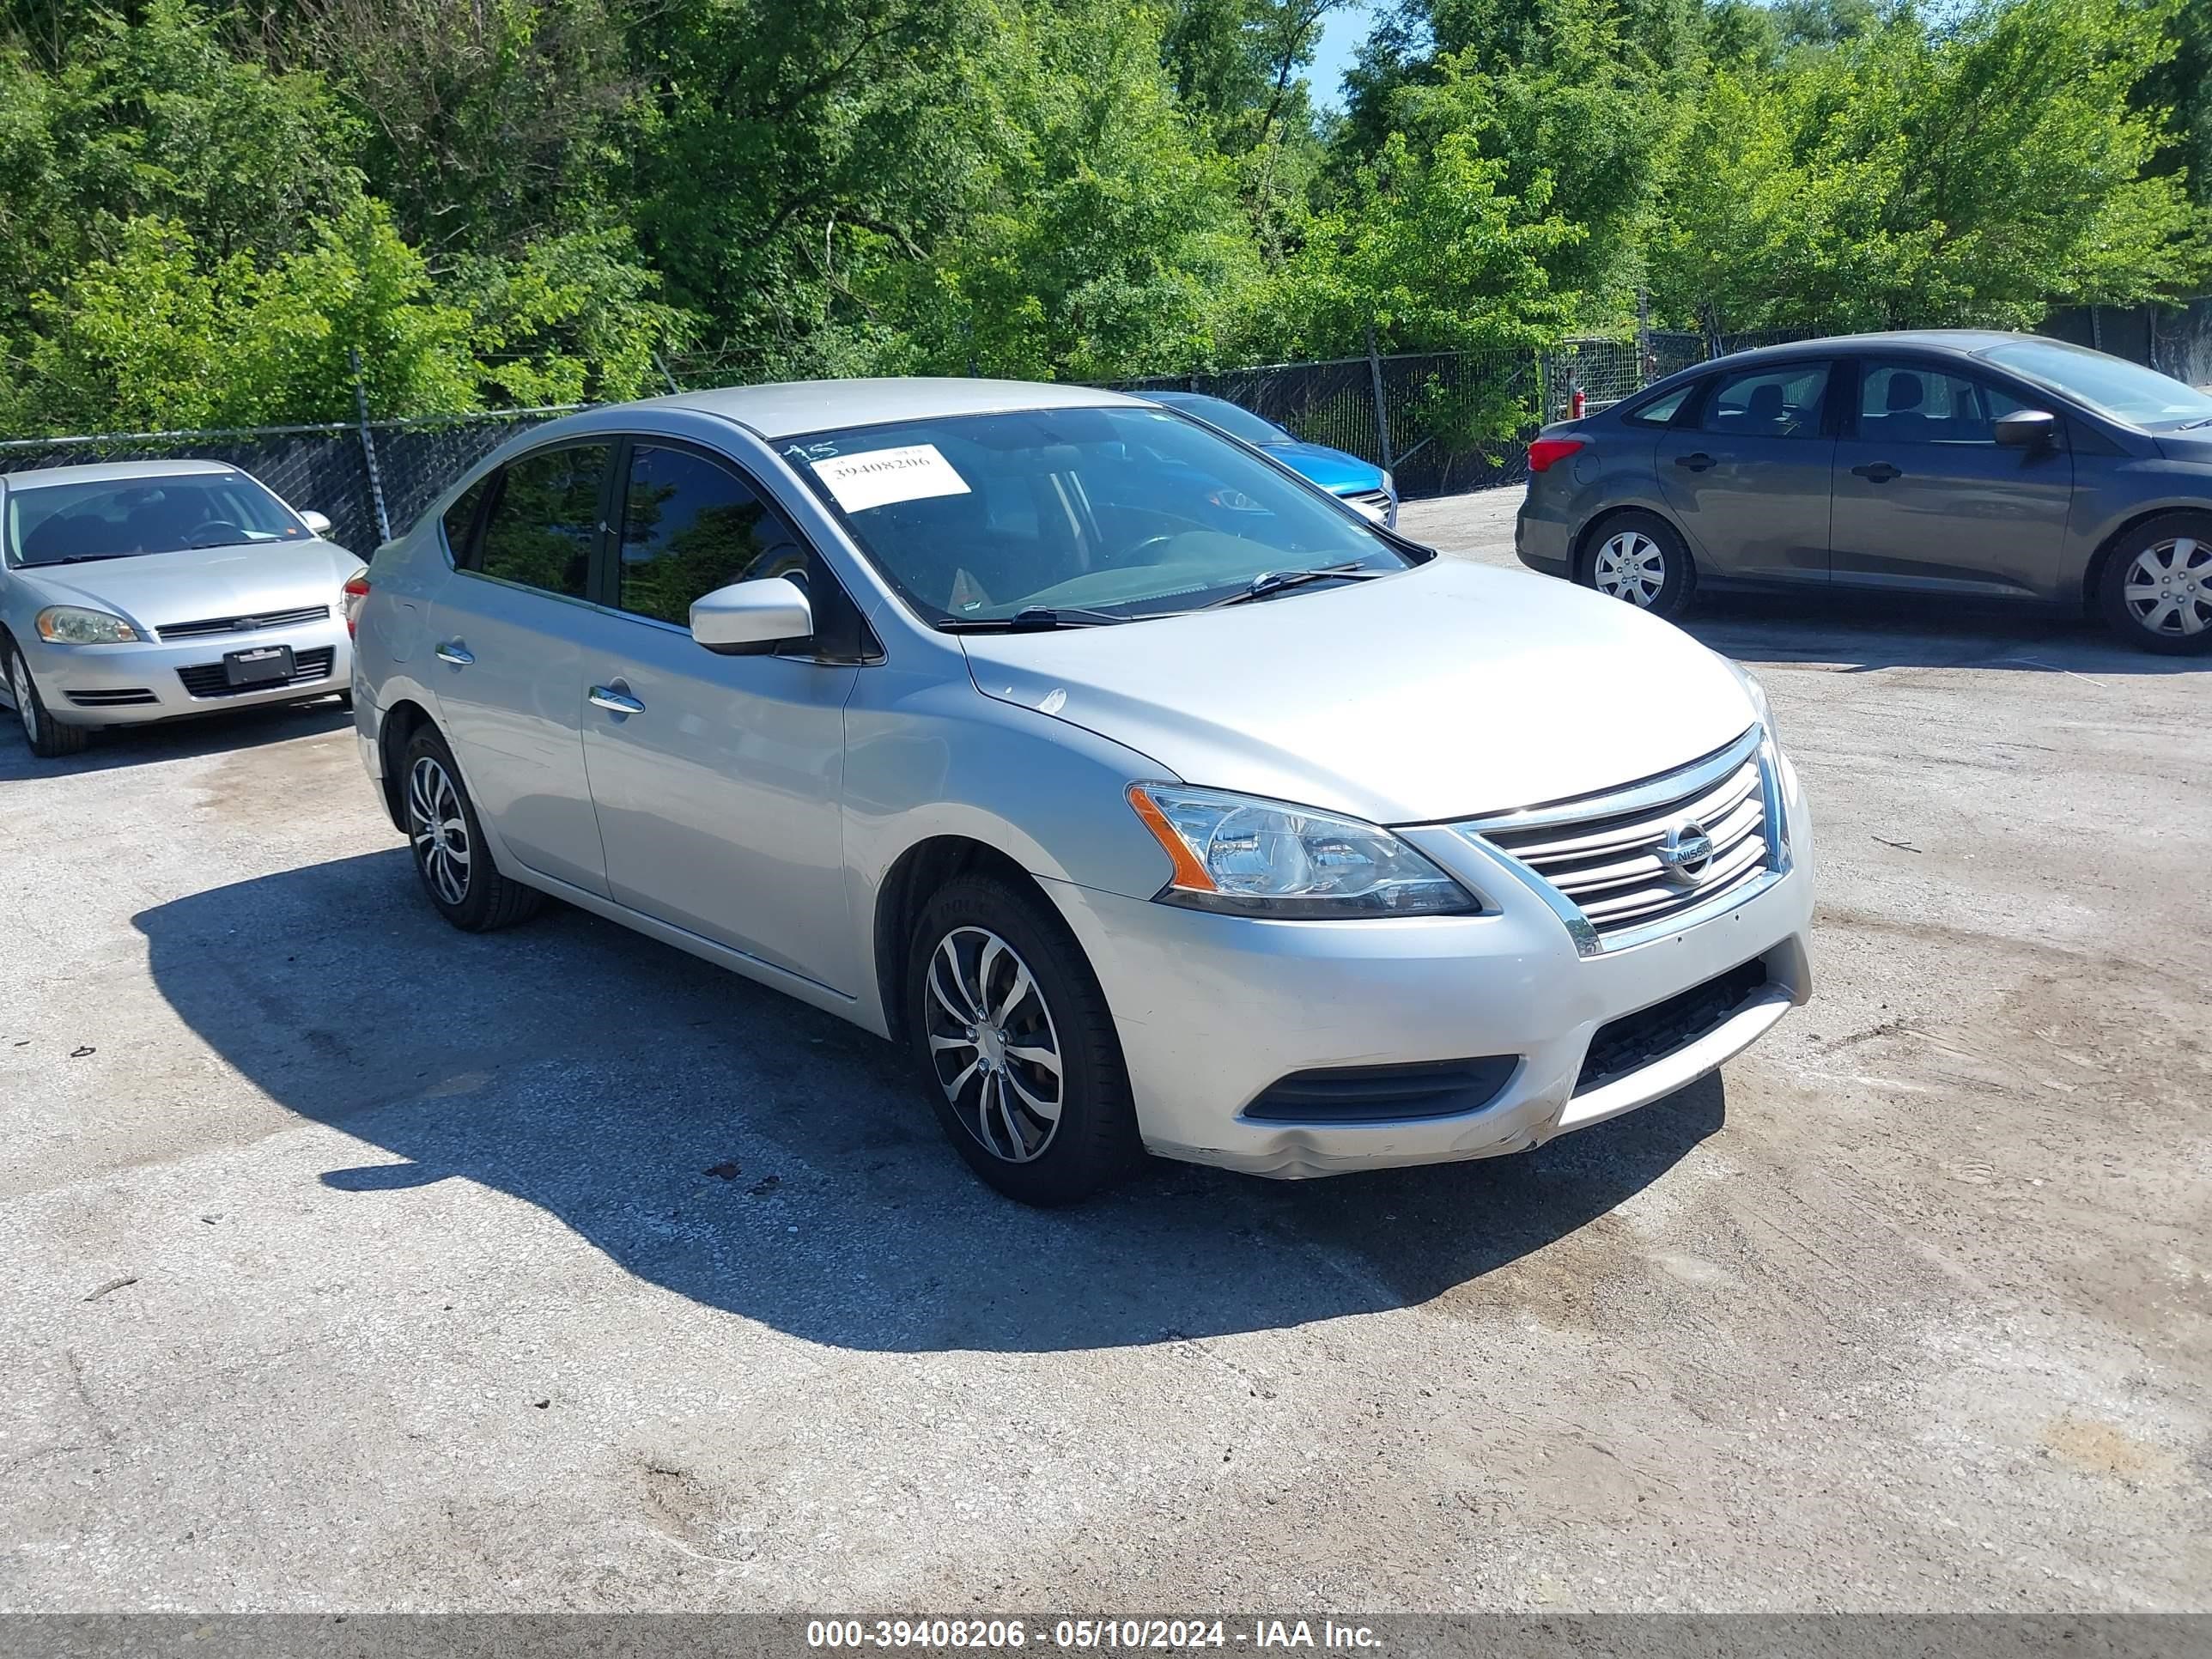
348,1263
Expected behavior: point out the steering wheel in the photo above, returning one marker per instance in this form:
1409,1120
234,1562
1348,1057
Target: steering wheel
227,533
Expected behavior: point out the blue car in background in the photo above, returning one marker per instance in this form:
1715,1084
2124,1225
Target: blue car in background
1358,484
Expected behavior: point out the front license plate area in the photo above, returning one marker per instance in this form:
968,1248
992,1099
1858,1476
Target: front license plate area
264,664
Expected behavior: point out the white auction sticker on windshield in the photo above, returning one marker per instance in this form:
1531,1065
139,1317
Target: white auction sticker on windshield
877,477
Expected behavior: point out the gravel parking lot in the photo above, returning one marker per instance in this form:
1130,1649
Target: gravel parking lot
349,1262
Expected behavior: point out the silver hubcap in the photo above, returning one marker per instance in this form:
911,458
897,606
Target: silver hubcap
20,690
993,1044
440,830
2169,587
1631,567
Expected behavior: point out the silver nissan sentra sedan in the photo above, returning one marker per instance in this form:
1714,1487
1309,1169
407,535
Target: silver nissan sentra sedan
1156,798
139,591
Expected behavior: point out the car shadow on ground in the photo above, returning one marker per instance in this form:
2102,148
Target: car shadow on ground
724,1142
175,739
1860,634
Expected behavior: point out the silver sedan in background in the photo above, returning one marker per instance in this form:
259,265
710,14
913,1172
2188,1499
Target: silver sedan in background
1152,794
148,589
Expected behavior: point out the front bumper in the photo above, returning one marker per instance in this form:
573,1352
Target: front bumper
131,685
1212,1010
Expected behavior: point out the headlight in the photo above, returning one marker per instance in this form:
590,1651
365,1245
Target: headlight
1389,483
1757,692
1262,858
68,624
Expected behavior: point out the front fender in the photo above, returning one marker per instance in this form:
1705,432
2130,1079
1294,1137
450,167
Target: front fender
928,757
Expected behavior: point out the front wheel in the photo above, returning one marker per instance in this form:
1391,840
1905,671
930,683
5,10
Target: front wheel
1641,558
1016,1044
50,740
2157,589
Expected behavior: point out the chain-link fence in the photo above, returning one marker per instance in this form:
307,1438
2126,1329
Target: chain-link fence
1443,421
370,481
1446,421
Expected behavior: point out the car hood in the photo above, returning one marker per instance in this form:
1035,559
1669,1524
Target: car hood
2194,448
1332,469
159,590
1453,691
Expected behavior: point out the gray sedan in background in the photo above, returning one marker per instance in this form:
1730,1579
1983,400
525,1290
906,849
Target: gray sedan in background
144,590
1948,463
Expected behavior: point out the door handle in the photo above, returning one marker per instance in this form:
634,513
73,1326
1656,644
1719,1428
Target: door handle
454,651
1700,462
614,701
1877,472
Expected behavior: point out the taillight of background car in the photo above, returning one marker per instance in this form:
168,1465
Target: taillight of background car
1544,451
357,594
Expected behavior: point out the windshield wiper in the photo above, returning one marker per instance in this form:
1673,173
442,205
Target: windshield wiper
1274,582
2192,426
1035,619
90,558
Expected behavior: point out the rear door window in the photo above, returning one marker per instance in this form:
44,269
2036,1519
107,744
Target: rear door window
544,521
1781,401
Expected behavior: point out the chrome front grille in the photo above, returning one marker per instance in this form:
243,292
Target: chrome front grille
1631,864
206,625
1374,502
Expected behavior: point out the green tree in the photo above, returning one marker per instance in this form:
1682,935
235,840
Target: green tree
1433,253
1912,176
1103,241
160,337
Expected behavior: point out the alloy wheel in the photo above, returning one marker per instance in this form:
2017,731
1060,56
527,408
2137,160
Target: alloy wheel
2168,590
438,828
1631,566
993,1042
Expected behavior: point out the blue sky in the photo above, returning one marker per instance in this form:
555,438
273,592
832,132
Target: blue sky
1340,35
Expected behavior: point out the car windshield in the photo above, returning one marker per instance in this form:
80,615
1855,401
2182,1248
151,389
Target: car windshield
2125,391
1236,422
1114,512
127,518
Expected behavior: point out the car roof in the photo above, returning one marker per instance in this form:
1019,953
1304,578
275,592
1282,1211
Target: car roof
1964,342
787,409
110,472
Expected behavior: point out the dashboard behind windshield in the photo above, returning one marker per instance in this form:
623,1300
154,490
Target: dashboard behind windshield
1124,511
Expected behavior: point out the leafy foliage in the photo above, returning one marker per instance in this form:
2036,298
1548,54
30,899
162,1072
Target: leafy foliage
1911,177
205,213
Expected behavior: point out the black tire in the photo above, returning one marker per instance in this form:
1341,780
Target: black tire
1093,1142
482,899
1629,542
2173,586
49,738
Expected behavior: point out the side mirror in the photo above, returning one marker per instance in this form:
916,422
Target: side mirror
751,618
2026,428
318,523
